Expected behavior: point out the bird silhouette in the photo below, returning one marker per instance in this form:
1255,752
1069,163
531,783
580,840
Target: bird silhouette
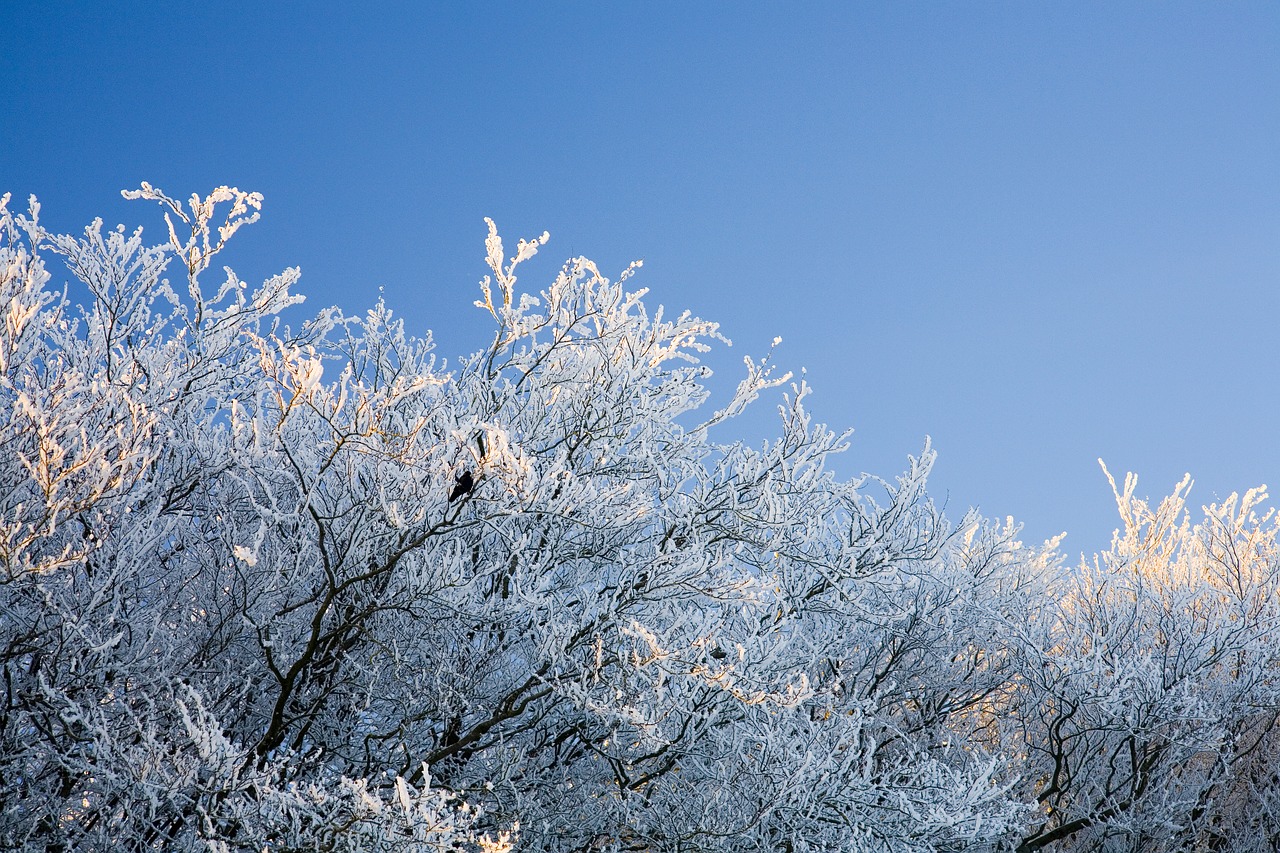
463,486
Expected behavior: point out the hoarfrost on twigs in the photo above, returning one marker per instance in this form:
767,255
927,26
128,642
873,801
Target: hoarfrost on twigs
297,588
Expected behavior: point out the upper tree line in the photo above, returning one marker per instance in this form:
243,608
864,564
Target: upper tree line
307,589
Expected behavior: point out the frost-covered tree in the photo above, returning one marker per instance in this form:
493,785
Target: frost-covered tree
312,588
1148,686
256,580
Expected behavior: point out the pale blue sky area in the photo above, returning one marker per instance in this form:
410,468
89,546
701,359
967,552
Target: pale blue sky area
1041,233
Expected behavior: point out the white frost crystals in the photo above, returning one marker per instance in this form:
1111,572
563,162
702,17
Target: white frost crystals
239,611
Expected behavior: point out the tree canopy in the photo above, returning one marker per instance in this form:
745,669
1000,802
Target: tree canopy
267,588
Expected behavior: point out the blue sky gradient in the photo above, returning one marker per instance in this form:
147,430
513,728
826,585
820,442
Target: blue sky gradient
1040,233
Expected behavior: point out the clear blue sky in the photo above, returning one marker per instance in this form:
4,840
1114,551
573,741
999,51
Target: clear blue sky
1041,233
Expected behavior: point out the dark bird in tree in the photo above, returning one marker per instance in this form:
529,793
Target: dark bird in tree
462,487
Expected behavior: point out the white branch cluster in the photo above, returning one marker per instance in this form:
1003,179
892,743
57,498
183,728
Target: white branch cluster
295,589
